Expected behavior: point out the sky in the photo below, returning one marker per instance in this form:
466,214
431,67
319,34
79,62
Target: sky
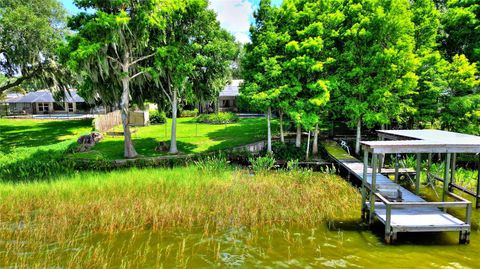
234,15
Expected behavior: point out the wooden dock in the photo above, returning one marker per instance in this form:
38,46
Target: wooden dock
409,212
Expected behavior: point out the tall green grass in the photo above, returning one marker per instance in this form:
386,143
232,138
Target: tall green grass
36,215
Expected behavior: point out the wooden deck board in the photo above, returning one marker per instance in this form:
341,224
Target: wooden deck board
420,219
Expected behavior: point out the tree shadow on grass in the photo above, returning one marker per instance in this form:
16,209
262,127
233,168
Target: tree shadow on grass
40,133
113,149
37,165
249,131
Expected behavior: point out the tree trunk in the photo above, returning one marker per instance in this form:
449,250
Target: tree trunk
269,135
129,150
173,137
298,140
315,142
308,147
359,136
282,136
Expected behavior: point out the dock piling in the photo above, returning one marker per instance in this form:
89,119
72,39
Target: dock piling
418,173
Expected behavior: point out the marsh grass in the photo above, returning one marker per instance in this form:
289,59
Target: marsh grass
55,223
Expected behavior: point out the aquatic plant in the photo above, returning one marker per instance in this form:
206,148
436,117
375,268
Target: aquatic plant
49,220
262,164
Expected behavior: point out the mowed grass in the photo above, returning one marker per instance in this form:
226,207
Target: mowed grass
192,137
17,133
29,136
54,221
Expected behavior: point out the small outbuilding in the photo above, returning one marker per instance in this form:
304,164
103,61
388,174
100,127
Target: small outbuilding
227,99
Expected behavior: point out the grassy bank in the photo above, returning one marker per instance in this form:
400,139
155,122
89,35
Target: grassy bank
42,149
49,219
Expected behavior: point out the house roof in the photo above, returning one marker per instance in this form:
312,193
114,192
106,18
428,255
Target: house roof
232,89
45,96
10,97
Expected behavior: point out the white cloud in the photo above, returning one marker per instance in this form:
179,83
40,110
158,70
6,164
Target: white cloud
242,37
235,16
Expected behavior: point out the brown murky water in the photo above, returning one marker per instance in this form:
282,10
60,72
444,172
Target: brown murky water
328,246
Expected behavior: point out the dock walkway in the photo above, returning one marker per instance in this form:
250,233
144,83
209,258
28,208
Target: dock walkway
411,213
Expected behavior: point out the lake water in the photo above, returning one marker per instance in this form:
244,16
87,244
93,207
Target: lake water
340,245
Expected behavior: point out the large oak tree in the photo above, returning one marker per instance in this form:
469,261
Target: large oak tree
30,32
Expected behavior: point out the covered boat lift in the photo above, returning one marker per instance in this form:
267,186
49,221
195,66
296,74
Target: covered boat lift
398,208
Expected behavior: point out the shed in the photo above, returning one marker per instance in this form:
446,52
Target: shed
227,98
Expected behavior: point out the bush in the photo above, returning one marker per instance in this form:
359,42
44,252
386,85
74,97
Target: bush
212,164
157,117
262,164
218,118
189,113
287,151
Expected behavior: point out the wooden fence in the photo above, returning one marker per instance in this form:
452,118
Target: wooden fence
106,122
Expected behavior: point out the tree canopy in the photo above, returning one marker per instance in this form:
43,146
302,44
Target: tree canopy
372,63
30,32
109,50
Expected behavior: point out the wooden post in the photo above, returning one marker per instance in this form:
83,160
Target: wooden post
381,162
468,214
452,178
364,181
396,168
418,173
465,235
446,177
372,187
388,217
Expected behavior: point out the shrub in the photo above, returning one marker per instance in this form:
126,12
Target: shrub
157,117
212,164
189,113
262,164
218,118
288,151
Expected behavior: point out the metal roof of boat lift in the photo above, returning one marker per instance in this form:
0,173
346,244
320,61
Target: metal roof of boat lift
423,141
45,96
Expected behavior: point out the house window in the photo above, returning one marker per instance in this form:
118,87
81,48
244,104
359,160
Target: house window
43,107
226,103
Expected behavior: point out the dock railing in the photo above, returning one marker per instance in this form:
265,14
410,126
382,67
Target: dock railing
460,202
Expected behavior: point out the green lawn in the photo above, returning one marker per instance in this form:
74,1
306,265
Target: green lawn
192,137
16,133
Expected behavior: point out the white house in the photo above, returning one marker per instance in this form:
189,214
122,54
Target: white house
43,102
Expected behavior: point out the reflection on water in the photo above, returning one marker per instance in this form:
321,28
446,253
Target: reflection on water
338,245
